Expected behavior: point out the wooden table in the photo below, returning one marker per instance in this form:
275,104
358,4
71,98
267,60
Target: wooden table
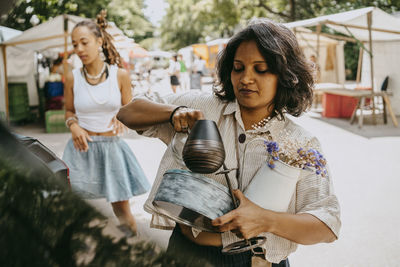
361,96
320,89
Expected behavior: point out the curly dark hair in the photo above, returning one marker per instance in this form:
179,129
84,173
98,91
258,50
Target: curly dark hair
279,47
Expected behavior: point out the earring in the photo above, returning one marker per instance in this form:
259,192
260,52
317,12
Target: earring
102,57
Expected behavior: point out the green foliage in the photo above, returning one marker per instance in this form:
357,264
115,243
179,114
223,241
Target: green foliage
42,223
191,21
126,14
20,16
129,17
351,51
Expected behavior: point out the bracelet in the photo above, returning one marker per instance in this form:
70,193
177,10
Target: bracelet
173,112
67,121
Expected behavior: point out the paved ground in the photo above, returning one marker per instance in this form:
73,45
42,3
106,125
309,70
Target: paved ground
366,170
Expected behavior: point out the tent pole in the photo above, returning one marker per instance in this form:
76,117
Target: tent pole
3,48
65,63
359,66
369,21
318,41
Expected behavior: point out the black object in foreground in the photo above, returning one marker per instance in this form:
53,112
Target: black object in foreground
42,223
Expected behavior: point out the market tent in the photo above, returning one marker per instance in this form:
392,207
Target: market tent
52,35
379,34
214,47
383,25
331,55
8,33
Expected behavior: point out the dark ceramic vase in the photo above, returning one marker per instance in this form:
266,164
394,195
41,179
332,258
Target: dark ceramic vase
204,151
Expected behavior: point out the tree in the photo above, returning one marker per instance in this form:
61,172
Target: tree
26,14
129,17
127,14
192,21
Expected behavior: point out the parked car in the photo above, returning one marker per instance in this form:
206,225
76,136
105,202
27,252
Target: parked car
54,163
43,223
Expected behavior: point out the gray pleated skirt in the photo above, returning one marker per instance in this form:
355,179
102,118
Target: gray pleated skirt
108,169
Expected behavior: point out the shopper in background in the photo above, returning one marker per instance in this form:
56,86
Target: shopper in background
101,164
184,74
174,71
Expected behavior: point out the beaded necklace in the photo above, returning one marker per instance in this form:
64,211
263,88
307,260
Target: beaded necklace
95,77
261,124
89,88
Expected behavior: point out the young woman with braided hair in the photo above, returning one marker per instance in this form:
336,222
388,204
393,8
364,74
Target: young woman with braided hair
101,164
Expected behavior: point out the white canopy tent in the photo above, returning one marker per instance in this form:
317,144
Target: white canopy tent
52,35
372,27
8,33
331,55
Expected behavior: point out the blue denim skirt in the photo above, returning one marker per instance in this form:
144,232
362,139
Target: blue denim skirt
108,169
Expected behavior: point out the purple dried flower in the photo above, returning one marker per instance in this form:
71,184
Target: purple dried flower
271,164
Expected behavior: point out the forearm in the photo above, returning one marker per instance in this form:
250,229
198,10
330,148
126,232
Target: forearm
141,113
69,113
303,229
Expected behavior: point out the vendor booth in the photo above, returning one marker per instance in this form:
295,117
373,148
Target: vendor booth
378,33
50,37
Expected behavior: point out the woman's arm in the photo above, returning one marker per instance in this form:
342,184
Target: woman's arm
125,86
79,135
249,220
142,113
69,96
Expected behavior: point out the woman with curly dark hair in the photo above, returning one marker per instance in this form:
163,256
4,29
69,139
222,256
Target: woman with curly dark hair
285,60
282,180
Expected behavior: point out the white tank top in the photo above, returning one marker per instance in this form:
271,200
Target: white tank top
96,105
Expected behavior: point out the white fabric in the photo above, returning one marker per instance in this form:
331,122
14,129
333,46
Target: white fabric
51,28
2,88
20,62
20,68
386,60
8,33
386,63
96,105
358,17
199,65
308,43
174,68
313,195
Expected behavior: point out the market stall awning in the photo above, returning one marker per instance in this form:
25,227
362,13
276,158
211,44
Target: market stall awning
138,51
384,26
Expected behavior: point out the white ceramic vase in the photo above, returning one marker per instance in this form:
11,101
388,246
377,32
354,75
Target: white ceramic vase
273,188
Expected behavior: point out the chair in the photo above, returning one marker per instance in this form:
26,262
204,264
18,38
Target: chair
385,103
384,87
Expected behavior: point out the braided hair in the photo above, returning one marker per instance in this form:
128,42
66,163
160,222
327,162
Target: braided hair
99,30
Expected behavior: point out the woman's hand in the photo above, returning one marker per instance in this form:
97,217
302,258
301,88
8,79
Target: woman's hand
80,137
246,221
184,118
118,127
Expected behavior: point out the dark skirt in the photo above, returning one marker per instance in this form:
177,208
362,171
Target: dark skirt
174,80
196,255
